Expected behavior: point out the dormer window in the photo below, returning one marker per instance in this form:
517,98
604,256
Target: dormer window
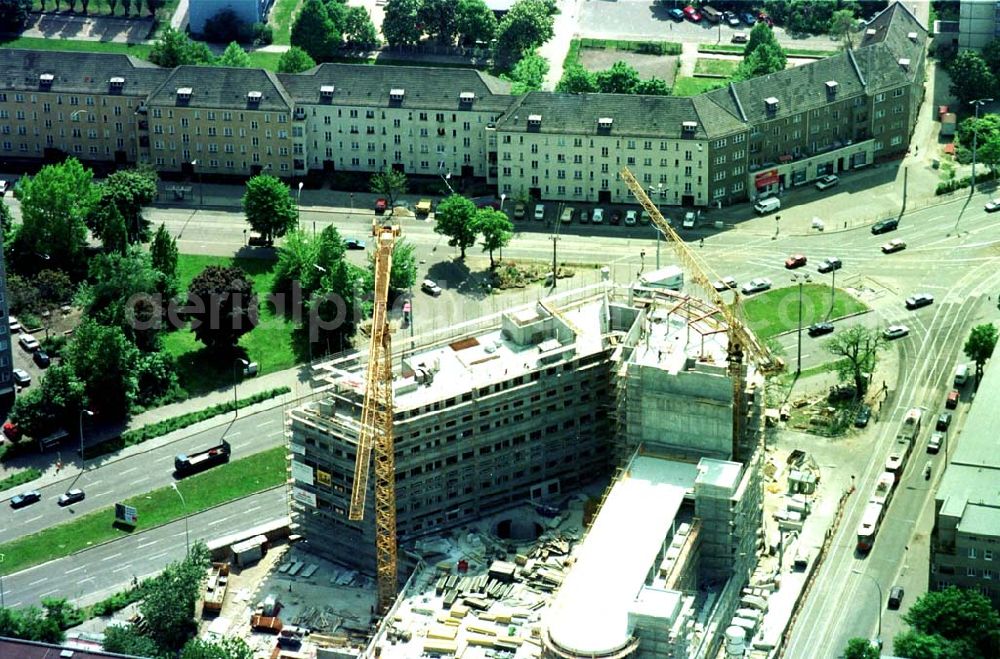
45,80
905,63
253,98
689,126
771,104
397,95
534,120
466,98
117,83
326,91
184,93
831,87
605,123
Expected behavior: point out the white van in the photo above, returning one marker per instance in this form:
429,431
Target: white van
961,374
769,205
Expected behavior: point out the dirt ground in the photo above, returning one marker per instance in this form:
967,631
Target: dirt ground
648,66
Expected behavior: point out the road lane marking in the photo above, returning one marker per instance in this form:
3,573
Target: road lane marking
219,521
113,556
46,594
103,494
140,480
129,471
233,434
162,553
42,580
33,519
94,484
164,458
147,544
124,567
250,510
267,423
76,569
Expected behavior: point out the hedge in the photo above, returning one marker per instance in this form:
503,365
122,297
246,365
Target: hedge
951,185
20,478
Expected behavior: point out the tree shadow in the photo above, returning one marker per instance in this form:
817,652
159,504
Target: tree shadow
456,275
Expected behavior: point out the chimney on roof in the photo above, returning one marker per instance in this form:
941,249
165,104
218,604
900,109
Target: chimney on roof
831,89
771,104
45,80
253,98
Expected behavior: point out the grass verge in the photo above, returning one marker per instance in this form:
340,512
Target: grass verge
160,428
777,310
263,60
217,486
37,43
737,49
715,67
684,86
642,47
788,376
20,478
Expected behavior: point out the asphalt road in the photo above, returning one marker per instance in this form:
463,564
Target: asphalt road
96,573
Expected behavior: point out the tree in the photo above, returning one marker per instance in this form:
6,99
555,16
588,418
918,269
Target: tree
986,129
112,4
221,306
169,600
474,22
577,80
54,205
234,56
156,375
123,293
104,360
54,287
314,31
962,616
861,648
526,26
125,639
842,27
110,227
404,266
85,4
970,77
768,58
400,27
330,248
269,207
389,183
296,258
456,217
529,74
295,60
439,20
915,645
163,257
152,6
126,7
988,152
979,346
991,54
760,34
14,14
174,49
496,229
129,190
231,647
653,87
6,223
859,347
56,403
619,79
359,31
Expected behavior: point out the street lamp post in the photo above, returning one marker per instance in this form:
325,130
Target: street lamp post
503,197
878,634
201,187
88,413
801,281
3,604
446,177
298,206
187,535
975,133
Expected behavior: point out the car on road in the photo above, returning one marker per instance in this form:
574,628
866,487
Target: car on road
819,329
11,430
29,342
381,205
992,205
756,285
692,14
827,181
567,215
15,324
943,422
631,218
42,359
539,211
935,442
21,377
71,497
354,243
739,37
795,261
430,287
863,416
895,331
519,211
894,245
724,284
676,14
895,597
690,220
951,402
919,300
885,226
830,264
598,217
25,499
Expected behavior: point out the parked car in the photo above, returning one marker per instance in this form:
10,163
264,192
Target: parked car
740,37
819,329
895,331
943,421
584,217
724,284
827,181
539,211
748,18
616,217
895,597
354,243
951,402
919,300
381,205
795,261
894,245
992,205
25,499
692,14
830,264
519,211
863,416
42,359
15,324
631,218
676,14
764,18
732,19
430,287
690,220
567,215
935,442
28,342
885,226
71,497
21,377
756,285
11,430
424,207
598,217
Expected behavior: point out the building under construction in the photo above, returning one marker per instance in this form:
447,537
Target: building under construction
530,405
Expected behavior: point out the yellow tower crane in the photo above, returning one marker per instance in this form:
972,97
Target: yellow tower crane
376,426
742,342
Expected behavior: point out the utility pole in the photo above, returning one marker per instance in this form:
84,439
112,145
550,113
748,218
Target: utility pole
554,240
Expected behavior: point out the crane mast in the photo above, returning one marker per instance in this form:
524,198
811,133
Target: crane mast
376,426
741,341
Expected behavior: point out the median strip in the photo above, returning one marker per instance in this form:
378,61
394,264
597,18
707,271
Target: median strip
220,485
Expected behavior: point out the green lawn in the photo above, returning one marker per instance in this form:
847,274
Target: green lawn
717,67
738,49
219,485
267,61
37,43
694,86
281,20
137,9
272,344
777,310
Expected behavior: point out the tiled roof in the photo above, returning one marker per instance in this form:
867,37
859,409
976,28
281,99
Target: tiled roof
424,88
81,73
223,88
640,116
10,647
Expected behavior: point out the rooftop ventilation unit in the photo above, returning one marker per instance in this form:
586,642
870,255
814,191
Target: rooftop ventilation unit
326,91
771,104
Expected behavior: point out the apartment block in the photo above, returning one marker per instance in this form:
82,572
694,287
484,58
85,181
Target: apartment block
978,23
965,542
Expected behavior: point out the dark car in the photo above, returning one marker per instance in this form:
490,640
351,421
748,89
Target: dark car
919,300
676,14
381,205
354,243
25,499
795,261
42,359
885,226
951,402
943,421
748,18
71,497
895,597
863,416
819,329
616,217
